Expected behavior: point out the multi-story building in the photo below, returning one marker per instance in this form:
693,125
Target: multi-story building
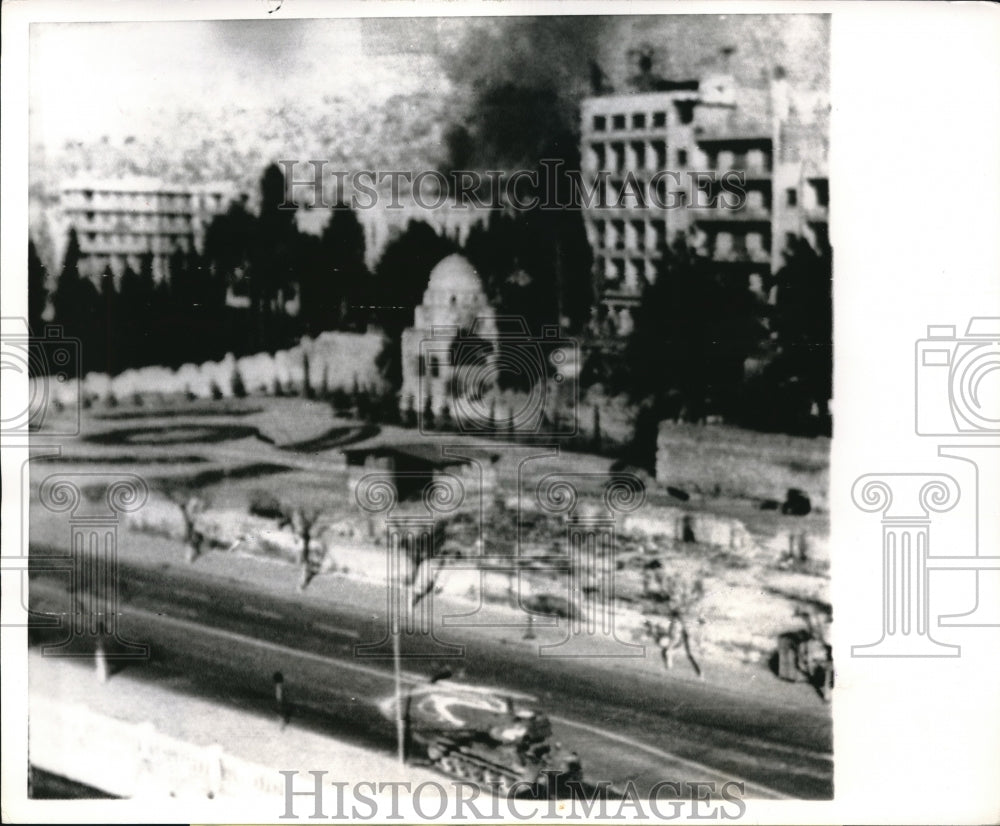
656,165
118,221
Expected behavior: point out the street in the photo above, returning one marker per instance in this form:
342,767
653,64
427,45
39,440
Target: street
226,636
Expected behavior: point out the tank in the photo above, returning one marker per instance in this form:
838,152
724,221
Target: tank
484,735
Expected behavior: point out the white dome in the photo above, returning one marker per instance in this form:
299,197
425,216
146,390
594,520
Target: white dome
453,276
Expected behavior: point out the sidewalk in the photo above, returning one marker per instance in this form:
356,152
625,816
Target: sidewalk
134,737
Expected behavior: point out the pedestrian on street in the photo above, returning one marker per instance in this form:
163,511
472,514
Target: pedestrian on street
279,698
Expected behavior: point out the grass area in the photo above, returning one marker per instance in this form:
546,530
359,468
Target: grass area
234,453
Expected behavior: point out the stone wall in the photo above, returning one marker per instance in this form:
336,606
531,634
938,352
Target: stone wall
727,461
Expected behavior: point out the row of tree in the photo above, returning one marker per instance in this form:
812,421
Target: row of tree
696,330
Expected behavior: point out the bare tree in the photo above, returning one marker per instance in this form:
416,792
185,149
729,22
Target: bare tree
674,601
424,563
302,520
192,506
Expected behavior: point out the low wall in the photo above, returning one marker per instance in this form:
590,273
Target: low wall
729,461
335,360
131,759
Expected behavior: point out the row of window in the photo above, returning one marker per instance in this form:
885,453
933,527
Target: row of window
820,193
619,156
131,214
650,238
643,120
211,200
118,239
621,121
145,224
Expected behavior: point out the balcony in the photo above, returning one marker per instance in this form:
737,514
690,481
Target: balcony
726,215
817,214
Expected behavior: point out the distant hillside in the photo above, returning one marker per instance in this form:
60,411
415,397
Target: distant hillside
237,142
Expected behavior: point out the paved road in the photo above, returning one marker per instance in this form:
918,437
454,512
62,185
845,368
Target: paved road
229,635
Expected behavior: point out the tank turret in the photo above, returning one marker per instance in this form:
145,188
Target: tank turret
484,735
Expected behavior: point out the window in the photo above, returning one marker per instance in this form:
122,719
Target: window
618,151
600,156
600,123
659,158
435,369
659,119
791,197
685,110
639,233
618,227
599,230
660,234
822,187
682,157
738,247
639,121
661,192
618,122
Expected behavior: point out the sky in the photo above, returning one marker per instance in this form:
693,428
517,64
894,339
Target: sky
91,79
95,78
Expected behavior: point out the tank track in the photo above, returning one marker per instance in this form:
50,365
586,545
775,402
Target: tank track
463,766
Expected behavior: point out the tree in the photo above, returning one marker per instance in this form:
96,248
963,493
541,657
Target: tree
401,278
191,506
343,290
37,290
694,330
403,271
136,304
677,598
271,263
228,241
110,332
65,299
302,521
801,374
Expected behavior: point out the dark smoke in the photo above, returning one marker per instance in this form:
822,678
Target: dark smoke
519,82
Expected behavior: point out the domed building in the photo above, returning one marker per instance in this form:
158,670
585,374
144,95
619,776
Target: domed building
446,353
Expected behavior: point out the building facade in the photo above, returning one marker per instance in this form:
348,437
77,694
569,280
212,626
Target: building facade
118,221
658,166
446,353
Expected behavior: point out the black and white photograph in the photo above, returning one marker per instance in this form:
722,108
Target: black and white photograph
427,413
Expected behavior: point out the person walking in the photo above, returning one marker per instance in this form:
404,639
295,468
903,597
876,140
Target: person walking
279,699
